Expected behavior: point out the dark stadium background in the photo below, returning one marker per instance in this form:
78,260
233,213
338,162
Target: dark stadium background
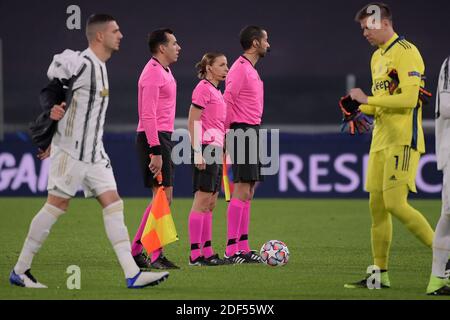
315,44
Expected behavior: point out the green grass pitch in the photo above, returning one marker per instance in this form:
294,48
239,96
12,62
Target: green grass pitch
328,241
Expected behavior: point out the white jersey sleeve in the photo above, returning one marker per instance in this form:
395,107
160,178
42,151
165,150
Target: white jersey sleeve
65,65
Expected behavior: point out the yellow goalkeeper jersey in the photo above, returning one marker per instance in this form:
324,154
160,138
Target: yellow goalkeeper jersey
398,116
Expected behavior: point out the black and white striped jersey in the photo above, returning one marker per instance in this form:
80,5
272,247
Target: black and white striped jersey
80,132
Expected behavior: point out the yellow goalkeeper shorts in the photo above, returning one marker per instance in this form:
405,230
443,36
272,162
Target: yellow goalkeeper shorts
392,167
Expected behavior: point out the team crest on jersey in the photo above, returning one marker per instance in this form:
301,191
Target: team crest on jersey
104,93
380,69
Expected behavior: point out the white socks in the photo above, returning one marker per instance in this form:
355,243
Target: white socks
118,236
441,246
38,232
115,229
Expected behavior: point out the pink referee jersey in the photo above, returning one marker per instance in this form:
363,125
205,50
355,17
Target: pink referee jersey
156,101
209,98
244,93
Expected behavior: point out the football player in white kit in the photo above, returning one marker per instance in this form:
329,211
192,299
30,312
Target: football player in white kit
77,155
438,284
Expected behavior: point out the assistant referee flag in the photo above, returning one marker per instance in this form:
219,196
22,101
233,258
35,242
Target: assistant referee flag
160,229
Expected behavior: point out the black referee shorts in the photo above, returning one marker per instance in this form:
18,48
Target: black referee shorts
208,180
246,171
168,167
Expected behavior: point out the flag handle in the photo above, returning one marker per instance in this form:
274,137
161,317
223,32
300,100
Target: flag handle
226,181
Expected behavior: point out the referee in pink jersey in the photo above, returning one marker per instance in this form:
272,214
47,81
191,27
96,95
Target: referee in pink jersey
156,107
244,95
206,124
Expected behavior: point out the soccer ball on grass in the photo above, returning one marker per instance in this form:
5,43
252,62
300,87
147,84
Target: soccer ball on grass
274,253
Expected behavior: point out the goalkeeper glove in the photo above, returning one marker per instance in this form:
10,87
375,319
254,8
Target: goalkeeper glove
353,121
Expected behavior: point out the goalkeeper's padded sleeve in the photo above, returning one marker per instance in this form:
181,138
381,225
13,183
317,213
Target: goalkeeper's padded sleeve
424,94
408,99
367,109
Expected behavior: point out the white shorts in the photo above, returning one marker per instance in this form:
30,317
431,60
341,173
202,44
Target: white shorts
67,175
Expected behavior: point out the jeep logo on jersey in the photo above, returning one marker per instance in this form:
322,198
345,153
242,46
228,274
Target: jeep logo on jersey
381,85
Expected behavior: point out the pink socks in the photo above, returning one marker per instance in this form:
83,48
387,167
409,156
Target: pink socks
234,215
207,235
243,228
195,233
136,246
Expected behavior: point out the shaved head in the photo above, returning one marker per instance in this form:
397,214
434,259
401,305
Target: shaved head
97,23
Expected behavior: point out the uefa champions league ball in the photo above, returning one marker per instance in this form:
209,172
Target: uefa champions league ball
274,253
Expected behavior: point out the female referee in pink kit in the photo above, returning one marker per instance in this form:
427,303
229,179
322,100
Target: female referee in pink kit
206,125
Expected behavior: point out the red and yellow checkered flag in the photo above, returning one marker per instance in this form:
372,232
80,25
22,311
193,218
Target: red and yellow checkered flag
160,229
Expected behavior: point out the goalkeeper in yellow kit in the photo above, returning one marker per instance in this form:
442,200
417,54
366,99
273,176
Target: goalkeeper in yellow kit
397,75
